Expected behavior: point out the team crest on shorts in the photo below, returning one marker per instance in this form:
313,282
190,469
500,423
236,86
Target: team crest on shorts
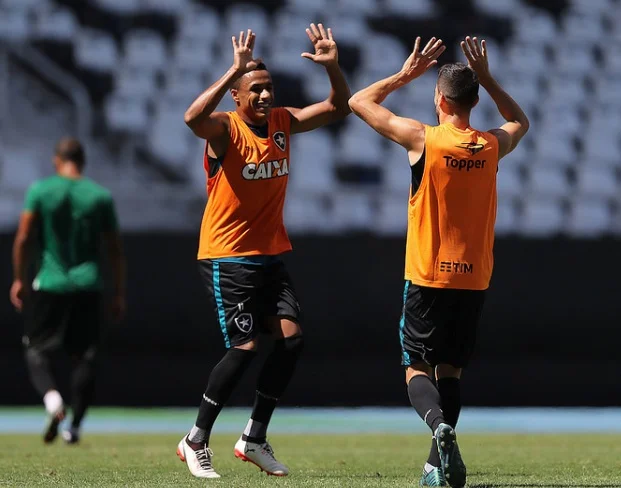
280,140
244,322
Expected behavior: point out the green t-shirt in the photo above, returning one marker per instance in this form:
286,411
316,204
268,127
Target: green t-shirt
72,214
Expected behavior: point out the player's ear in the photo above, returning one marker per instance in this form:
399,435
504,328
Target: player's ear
235,95
443,101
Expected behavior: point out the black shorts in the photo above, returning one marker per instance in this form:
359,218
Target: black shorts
244,295
69,321
439,325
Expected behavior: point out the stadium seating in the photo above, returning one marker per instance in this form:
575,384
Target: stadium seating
143,61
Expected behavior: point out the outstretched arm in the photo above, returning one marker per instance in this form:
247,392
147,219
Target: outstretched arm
335,106
509,134
366,103
200,116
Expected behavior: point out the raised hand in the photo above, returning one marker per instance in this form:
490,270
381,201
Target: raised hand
242,52
326,52
419,62
476,54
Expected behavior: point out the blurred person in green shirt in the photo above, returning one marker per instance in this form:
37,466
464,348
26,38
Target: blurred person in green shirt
66,223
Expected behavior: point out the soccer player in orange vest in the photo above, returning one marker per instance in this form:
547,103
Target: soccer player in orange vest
243,236
450,237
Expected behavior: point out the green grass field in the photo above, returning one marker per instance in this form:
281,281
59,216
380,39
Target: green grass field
315,460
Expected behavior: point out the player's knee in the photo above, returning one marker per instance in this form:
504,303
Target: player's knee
34,357
417,369
293,345
240,355
251,345
281,327
232,364
227,373
89,356
447,371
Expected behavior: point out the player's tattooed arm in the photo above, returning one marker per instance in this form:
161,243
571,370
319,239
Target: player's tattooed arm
201,116
334,107
509,134
366,103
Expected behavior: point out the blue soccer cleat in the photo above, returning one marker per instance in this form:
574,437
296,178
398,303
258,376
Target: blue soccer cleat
453,466
435,477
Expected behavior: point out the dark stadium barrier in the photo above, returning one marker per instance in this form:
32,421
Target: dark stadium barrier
550,332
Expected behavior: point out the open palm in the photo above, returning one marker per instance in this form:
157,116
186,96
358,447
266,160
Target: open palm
476,54
242,52
420,61
325,48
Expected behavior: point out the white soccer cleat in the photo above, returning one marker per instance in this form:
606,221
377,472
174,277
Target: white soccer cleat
52,423
71,436
198,461
262,456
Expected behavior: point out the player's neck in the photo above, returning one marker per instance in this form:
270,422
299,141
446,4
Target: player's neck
259,129
69,170
461,122
251,122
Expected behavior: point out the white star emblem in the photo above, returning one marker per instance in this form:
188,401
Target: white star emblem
244,322
280,140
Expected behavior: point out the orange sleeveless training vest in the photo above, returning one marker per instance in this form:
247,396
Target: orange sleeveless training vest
246,195
451,215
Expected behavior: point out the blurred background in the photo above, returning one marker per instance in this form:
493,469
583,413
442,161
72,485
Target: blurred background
119,75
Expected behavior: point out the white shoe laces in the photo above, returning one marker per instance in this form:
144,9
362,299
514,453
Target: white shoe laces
203,456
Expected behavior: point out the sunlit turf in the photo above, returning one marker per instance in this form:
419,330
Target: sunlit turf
359,461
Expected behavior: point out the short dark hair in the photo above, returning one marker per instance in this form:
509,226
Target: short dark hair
237,82
70,149
459,84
